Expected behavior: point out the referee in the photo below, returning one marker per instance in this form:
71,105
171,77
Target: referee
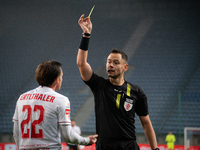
116,100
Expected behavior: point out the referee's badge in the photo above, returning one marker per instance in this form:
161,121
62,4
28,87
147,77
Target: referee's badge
128,104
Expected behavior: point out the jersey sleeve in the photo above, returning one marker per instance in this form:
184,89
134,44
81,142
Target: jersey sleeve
77,129
64,112
141,104
92,81
15,116
174,138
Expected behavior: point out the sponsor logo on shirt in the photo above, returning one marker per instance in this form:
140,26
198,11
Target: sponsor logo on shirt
67,111
128,104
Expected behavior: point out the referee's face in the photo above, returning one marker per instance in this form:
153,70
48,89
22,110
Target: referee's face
115,66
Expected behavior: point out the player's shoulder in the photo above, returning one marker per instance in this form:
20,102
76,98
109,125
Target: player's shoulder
61,100
60,96
28,92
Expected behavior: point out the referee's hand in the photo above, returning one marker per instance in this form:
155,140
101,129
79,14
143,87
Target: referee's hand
93,139
85,24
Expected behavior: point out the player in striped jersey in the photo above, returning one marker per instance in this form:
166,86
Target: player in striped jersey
42,114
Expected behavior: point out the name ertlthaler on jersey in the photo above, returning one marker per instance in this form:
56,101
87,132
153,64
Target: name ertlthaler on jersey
37,96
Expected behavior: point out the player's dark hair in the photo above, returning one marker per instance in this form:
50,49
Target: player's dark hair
47,72
124,56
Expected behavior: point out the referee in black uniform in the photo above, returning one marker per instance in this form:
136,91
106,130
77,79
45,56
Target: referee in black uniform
116,100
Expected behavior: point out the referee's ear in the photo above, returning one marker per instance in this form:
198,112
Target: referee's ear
125,67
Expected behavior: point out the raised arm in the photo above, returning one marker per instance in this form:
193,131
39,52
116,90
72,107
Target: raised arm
84,67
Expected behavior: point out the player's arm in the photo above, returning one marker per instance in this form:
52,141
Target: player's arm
16,133
149,131
69,135
84,67
174,138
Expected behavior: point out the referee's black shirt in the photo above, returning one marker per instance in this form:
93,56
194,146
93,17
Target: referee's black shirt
115,108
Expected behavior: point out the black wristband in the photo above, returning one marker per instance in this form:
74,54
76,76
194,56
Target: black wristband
86,34
157,148
84,43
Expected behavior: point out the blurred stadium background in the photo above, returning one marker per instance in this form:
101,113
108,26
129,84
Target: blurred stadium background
161,38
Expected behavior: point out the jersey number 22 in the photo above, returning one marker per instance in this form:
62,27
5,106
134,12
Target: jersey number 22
34,123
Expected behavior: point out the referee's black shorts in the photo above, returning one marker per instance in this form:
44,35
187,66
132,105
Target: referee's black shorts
125,145
72,146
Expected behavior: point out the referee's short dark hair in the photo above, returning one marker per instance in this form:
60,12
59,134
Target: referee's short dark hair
124,56
47,72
